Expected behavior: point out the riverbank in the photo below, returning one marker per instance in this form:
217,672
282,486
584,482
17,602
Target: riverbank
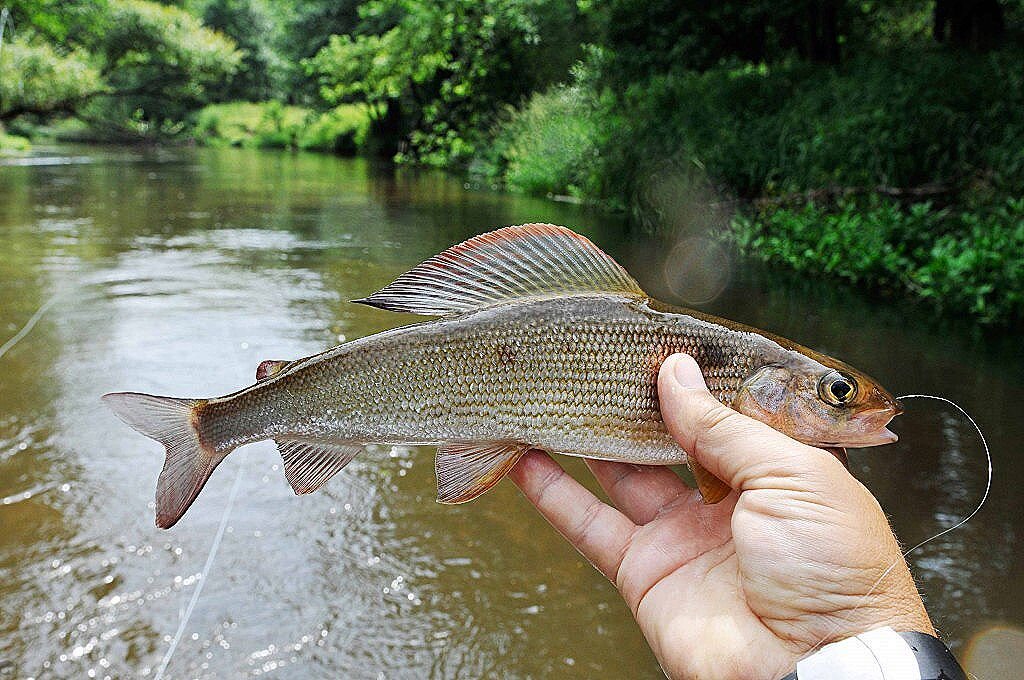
865,173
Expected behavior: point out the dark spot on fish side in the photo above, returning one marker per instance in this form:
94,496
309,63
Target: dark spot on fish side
507,355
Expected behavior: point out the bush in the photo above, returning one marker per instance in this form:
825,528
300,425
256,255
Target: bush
271,125
341,130
263,125
13,143
966,261
551,144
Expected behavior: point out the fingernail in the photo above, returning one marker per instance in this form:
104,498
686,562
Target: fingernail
687,371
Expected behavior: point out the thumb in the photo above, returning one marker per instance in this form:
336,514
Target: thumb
743,452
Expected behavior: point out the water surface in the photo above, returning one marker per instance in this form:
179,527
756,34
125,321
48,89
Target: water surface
177,272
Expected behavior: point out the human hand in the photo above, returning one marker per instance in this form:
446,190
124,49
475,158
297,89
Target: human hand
744,588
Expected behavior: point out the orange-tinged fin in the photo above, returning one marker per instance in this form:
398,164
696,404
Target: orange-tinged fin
467,469
269,368
528,260
840,453
189,462
712,489
309,464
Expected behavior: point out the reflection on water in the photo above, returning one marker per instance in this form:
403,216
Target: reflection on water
177,272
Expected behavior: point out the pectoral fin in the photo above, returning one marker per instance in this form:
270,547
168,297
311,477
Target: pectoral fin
712,489
467,469
309,464
840,453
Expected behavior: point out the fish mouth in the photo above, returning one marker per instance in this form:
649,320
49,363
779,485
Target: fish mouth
863,440
868,428
877,438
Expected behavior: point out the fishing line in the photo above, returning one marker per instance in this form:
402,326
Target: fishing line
204,575
33,320
984,497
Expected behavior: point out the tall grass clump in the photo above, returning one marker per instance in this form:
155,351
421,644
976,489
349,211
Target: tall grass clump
249,124
551,145
13,143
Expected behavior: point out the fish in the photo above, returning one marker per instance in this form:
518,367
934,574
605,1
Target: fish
540,341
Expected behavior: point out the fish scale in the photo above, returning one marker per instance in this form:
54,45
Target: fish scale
543,341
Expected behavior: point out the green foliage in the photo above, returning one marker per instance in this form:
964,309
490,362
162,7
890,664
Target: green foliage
268,125
446,67
311,24
128,65
340,130
13,143
550,146
261,71
35,77
273,125
910,119
960,260
163,53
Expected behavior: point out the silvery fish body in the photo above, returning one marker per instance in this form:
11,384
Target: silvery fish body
543,342
573,375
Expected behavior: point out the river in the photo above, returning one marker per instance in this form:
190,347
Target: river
177,271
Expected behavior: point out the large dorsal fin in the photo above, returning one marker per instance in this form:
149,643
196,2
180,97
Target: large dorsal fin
528,260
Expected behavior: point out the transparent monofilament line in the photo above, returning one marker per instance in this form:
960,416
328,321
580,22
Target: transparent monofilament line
205,574
29,325
967,518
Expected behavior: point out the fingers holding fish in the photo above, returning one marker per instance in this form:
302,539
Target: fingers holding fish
598,531
639,491
740,451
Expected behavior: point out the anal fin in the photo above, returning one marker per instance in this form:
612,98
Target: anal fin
467,469
712,489
309,464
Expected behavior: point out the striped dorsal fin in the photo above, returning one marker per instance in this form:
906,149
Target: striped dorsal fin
529,260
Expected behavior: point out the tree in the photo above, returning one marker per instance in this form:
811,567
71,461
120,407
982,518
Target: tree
35,78
260,72
104,60
977,24
440,71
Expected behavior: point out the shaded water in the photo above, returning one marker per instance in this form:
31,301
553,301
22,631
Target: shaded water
177,272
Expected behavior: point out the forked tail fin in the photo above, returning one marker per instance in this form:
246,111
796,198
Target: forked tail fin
189,463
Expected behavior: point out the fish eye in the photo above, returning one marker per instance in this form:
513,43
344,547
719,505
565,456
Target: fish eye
837,389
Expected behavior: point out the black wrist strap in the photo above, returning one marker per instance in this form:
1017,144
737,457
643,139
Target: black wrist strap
934,662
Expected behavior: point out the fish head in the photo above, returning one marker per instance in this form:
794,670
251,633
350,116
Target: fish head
820,401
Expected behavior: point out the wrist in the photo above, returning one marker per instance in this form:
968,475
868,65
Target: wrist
881,654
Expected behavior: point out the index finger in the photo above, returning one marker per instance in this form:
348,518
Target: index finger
600,532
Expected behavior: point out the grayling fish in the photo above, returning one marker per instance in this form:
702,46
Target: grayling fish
543,341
